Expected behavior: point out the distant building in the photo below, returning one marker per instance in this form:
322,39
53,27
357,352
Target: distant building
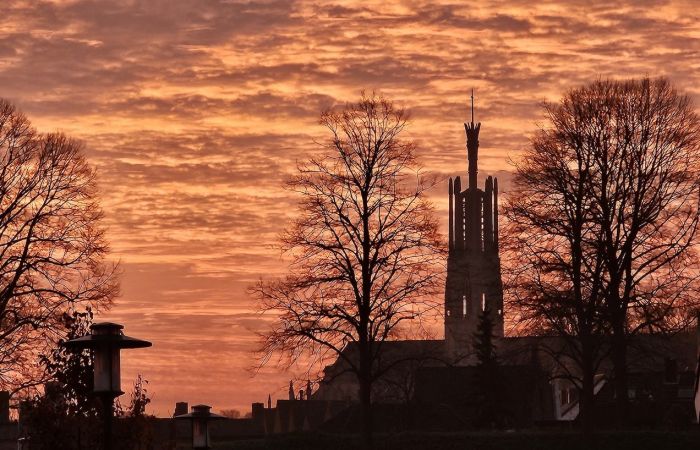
439,374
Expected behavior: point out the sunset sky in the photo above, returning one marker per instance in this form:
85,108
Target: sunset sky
195,112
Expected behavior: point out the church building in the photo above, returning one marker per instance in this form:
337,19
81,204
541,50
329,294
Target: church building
538,387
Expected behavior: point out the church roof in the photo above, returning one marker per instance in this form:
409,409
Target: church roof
394,351
646,352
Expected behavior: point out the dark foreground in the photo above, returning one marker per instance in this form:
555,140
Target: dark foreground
633,440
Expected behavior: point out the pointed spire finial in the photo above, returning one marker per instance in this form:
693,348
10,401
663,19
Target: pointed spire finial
472,131
472,106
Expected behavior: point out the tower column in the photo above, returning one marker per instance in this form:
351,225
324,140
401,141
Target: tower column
488,215
451,219
495,214
459,215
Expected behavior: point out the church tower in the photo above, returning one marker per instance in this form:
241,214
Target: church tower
473,266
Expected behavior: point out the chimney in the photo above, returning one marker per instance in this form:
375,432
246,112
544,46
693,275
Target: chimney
257,410
181,408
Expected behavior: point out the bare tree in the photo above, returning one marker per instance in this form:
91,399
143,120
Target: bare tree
646,192
52,246
366,249
603,219
554,273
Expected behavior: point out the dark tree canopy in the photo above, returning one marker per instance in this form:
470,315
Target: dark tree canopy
52,244
365,249
71,372
603,220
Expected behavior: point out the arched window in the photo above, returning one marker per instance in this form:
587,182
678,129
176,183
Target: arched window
483,301
464,306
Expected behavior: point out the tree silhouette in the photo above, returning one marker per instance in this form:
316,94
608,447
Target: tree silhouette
604,218
67,414
135,425
52,246
488,375
485,350
365,248
70,371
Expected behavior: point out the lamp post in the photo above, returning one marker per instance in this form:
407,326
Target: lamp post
200,417
106,340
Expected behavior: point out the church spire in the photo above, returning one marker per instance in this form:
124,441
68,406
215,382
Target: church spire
472,131
473,281
472,106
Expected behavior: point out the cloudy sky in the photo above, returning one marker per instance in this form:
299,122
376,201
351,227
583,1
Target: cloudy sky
194,112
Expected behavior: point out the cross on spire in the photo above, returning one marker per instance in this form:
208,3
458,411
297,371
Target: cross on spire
472,106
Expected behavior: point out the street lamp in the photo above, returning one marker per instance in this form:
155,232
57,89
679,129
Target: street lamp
200,417
106,340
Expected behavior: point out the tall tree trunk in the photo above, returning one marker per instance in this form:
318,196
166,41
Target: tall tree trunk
365,339
366,398
587,400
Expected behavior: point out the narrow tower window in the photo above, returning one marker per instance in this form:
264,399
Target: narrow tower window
464,306
483,301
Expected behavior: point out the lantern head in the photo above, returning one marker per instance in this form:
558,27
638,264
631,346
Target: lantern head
106,340
200,417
